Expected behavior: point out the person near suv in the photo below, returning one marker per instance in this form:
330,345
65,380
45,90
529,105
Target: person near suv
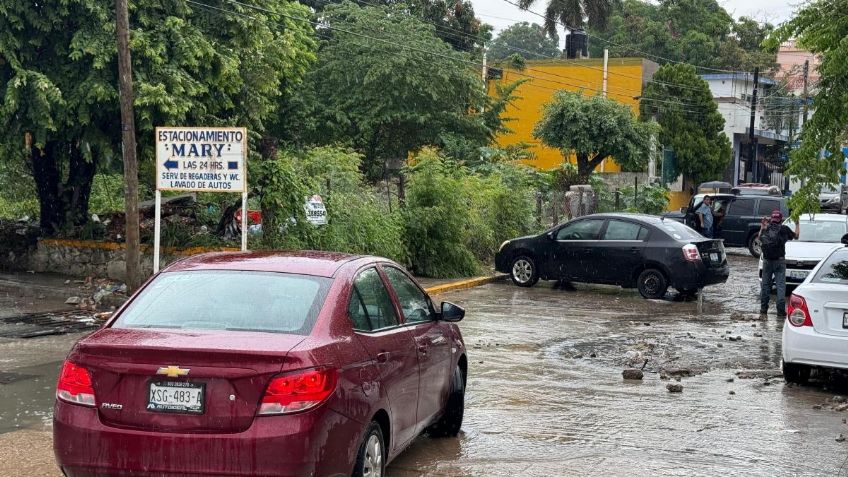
773,238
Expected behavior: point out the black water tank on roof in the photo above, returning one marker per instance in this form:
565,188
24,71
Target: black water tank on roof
577,44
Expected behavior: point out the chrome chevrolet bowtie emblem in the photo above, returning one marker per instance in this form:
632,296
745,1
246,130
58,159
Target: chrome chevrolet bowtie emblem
173,371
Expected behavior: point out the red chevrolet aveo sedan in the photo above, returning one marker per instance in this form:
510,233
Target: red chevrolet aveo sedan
262,364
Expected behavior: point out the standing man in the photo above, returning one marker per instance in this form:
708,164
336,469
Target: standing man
705,217
773,238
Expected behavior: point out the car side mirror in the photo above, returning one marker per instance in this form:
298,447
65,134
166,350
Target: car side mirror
845,240
551,235
683,210
451,312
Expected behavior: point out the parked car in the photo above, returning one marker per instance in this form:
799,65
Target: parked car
819,234
816,329
834,199
272,364
642,251
756,189
737,217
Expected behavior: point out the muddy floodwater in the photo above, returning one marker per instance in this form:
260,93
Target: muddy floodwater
546,395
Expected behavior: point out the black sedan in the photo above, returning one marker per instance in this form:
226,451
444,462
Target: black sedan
642,251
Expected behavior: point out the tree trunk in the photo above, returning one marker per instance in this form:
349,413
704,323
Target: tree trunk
45,171
61,204
76,191
584,169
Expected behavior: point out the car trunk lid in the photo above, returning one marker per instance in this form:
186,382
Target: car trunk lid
712,252
828,306
233,369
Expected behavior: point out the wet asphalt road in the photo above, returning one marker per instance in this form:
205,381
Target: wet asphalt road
546,396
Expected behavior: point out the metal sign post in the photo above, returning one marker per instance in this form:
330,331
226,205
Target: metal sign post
201,160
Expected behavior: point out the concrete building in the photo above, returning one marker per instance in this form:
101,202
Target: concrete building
732,92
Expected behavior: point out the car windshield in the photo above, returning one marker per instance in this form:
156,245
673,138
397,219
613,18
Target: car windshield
679,231
228,300
834,269
820,231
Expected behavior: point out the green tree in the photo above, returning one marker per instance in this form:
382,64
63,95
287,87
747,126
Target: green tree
392,93
454,20
819,159
525,39
696,31
592,129
59,111
690,124
573,14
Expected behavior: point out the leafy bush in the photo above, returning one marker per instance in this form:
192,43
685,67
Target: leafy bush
107,194
437,219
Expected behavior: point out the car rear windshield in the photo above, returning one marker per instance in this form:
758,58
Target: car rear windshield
834,269
228,300
678,231
820,230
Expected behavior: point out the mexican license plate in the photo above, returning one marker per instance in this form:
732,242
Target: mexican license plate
175,396
798,275
714,257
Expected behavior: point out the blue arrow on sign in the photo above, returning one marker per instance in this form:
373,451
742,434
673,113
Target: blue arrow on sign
232,165
171,164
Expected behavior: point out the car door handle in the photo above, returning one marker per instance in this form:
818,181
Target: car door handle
634,250
383,357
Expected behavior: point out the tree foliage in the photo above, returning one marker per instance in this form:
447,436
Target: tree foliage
682,104
191,66
454,20
700,32
390,95
525,39
593,128
819,160
573,13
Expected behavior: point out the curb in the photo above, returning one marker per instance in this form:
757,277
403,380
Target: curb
464,284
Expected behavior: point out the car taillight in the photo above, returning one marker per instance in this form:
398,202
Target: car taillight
74,385
797,312
298,391
691,253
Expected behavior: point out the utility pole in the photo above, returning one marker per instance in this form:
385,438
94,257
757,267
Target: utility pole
485,76
751,139
128,146
806,95
606,61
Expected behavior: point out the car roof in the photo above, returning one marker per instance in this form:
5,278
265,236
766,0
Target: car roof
825,217
301,262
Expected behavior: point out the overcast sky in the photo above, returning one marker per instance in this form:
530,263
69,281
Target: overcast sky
501,14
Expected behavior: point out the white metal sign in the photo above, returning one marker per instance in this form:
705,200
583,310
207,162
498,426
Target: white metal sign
316,212
200,159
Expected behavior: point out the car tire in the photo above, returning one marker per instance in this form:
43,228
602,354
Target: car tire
451,421
754,246
652,284
523,271
796,373
371,458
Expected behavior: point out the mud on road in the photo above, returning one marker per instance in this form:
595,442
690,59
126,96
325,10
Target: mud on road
546,395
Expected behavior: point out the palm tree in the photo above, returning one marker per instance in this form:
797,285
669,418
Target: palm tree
574,14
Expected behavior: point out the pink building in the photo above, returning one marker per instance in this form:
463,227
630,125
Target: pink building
791,60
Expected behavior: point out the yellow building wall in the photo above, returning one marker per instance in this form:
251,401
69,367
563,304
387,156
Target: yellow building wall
546,77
